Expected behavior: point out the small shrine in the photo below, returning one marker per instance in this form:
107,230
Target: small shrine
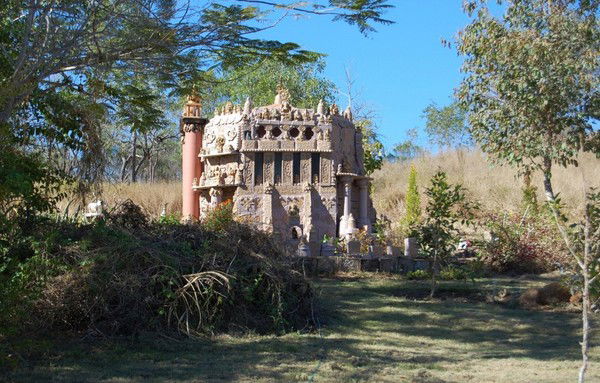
298,173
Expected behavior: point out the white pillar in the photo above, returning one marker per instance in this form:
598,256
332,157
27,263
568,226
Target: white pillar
347,198
346,225
363,217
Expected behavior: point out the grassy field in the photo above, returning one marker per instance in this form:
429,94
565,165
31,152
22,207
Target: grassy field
372,330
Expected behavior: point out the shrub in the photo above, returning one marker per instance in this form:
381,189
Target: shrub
413,202
522,244
447,206
219,218
453,273
128,274
418,275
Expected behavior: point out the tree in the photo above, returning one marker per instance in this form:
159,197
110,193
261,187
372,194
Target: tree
62,62
413,201
532,91
531,88
57,44
446,126
408,149
305,82
447,206
364,117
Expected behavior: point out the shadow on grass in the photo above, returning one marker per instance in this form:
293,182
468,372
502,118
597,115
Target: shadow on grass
367,326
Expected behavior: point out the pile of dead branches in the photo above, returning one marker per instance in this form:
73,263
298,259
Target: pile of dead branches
127,274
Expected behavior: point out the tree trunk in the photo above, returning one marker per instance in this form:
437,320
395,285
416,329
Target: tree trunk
585,304
124,162
134,157
433,272
550,197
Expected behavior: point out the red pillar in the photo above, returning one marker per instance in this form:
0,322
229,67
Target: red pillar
191,168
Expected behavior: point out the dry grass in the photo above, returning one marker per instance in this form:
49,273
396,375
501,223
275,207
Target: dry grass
151,197
496,188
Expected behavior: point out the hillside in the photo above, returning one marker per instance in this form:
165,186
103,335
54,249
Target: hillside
496,188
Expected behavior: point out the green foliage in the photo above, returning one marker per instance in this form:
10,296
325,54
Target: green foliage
586,233
260,81
447,206
408,149
531,84
373,154
530,201
418,275
454,273
446,126
413,201
220,218
126,274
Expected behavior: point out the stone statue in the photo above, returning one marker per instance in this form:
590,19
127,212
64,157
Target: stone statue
321,108
247,107
334,109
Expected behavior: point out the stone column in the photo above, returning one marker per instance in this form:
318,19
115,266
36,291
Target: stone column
363,219
267,218
345,221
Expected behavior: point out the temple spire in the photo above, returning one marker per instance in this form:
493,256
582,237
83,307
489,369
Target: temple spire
248,106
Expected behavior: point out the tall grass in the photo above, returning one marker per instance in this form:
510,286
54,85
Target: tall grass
497,188
151,197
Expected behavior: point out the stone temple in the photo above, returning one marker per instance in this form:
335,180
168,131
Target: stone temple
298,173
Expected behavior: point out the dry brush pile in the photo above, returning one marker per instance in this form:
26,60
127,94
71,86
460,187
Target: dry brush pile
127,274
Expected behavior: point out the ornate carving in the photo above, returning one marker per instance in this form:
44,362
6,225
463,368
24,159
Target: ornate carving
247,107
239,175
231,134
220,143
283,95
348,113
190,128
228,109
209,138
249,205
268,188
304,167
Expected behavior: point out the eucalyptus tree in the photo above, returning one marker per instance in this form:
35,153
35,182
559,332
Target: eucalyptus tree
532,82
446,126
532,93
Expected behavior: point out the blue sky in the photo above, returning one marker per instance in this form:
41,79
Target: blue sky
399,69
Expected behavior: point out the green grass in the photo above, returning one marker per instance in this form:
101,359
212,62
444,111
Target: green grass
371,331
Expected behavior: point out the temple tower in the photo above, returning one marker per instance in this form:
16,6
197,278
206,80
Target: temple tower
295,172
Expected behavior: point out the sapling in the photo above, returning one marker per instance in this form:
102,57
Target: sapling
447,206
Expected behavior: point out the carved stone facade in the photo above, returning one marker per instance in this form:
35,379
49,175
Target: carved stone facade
298,173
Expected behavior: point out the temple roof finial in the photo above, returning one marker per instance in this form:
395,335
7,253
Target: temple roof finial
283,95
321,108
348,113
248,106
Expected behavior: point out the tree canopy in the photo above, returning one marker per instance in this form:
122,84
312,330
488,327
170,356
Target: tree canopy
532,84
